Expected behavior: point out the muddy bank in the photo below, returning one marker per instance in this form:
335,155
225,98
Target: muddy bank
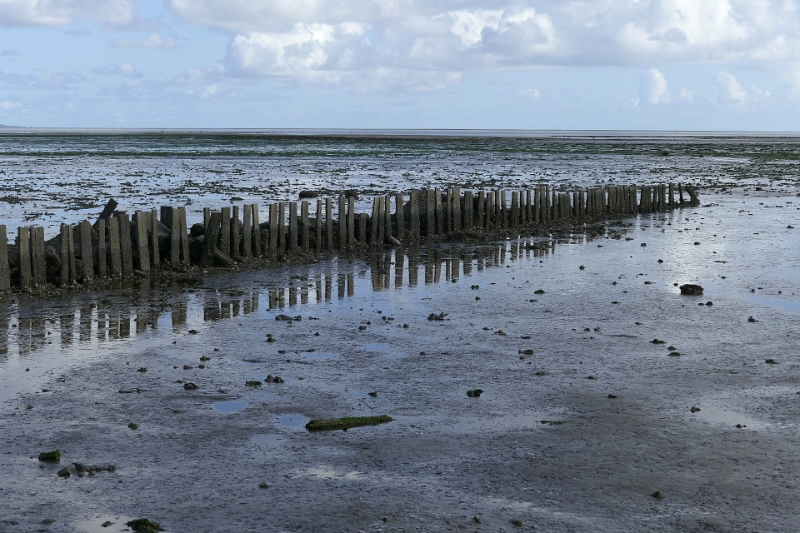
618,408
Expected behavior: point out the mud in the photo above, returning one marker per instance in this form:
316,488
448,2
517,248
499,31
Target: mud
544,447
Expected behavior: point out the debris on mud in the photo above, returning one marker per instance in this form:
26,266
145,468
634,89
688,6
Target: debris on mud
690,289
658,495
190,386
525,352
474,393
694,409
674,354
751,319
50,457
143,525
274,379
658,341
252,383
434,316
346,422
771,362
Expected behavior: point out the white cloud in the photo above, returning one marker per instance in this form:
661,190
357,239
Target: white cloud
653,88
7,104
729,90
154,40
122,69
62,12
530,94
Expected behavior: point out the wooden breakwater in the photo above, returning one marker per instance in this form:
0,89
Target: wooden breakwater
118,246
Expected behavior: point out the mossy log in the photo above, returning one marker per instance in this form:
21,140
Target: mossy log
347,422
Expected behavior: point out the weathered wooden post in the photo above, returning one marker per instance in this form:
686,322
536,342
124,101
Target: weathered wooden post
141,242
387,217
305,234
24,249
662,196
373,228
468,210
671,197
115,250
400,216
481,222
247,232
125,245
5,269
64,277
293,237
206,215
225,232
184,233
440,227
282,227
414,200
155,250
514,209
362,228
257,251
318,229
447,208
329,225
211,238
455,216
274,229
502,211
381,221
87,259
342,223
351,221
38,266
102,254
430,209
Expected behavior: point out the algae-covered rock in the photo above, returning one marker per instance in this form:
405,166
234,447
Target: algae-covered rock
50,457
346,423
143,525
690,289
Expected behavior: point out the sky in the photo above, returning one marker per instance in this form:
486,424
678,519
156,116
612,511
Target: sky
461,64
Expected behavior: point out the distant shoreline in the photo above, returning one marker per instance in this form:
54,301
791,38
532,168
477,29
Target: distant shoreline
406,133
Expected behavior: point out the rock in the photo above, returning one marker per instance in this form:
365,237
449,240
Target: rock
694,409
540,291
190,386
133,426
374,394
107,523
197,230
612,396
751,319
50,457
284,318
434,316
48,521
187,367
658,495
658,341
64,472
274,379
526,352
142,369
252,383
771,362
204,358
475,393
674,354
689,289
516,522
263,485
143,525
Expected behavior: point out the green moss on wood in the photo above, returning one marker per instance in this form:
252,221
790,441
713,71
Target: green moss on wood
347,422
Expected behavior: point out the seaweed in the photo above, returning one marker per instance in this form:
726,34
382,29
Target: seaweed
346,422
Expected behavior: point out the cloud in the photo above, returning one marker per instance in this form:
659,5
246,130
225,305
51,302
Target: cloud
62,12
729,90
121,69
529,94
653,88
45,81
154,40
6,104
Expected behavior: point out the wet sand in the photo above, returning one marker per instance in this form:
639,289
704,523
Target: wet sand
447,462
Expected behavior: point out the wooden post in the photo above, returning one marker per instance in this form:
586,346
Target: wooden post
155,248
257,251
529,206
206,215
523,212
373,229
456,212
125,245
662,197
362,228
481,221
671,197
225,231
342,223
381,221
329,225
514,209
64,274
87,259
273,229
448,210
184,232
38,266
680,193
102,255
430,212
414,216
351,221
141,241
282,226
468,210
115,250
304,223
24,248
490,214
247,232
210,241
387,217
318,229
5,269
400,216
236,236
168,214
293,236
440,227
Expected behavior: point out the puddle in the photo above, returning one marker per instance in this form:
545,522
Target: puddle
319,355
293,421
229,407
385,349
715,415
95,525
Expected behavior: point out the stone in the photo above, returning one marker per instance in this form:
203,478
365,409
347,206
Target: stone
690,289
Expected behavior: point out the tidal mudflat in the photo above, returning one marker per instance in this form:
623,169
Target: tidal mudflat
584,423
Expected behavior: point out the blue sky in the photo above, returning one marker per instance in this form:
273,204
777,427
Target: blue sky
527,64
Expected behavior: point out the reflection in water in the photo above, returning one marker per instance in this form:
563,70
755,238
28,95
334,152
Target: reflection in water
24,329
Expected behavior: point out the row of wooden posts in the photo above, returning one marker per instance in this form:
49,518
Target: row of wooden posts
117,247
